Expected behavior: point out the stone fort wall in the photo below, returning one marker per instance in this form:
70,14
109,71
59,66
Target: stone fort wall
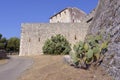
34,35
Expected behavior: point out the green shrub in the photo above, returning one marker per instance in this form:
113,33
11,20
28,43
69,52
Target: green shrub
89,52
56,45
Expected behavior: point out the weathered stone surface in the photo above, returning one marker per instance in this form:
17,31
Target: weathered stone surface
68,15
34,35
67,59
107,22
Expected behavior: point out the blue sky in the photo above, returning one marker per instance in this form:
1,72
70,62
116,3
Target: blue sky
15,12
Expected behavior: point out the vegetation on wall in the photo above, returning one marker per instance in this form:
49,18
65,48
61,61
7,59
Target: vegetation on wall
56,45
90,52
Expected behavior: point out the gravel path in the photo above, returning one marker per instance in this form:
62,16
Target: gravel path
15,66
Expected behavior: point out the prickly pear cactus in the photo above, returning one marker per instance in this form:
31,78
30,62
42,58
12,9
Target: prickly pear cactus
89,52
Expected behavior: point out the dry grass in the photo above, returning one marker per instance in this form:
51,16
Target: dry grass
53,68
3,61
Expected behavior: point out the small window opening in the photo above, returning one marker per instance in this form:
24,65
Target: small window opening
39,39
60,14
73,20
75,37
65,12
29,40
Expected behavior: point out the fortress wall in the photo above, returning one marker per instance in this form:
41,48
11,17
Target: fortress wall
34,35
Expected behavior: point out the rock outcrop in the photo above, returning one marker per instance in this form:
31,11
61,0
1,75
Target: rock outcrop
107,22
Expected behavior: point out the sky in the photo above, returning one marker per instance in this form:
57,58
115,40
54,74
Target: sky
15,12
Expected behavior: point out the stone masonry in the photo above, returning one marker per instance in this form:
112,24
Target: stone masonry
107,22
68,15
34,35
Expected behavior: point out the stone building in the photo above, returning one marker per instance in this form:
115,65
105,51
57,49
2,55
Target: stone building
33,35
68,15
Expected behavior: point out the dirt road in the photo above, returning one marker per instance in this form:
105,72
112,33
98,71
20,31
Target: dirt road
15,66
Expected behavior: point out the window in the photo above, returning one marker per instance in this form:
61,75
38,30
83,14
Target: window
73,21
60,14
29,40
65,12
75,37
39,39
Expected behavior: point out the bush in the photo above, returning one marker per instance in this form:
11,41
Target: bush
56,45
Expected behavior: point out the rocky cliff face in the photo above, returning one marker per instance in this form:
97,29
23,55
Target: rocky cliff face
107,22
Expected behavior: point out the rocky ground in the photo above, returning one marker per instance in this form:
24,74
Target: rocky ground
48,67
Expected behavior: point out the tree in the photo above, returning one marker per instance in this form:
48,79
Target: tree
3,42
2,45
0,36
13,44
